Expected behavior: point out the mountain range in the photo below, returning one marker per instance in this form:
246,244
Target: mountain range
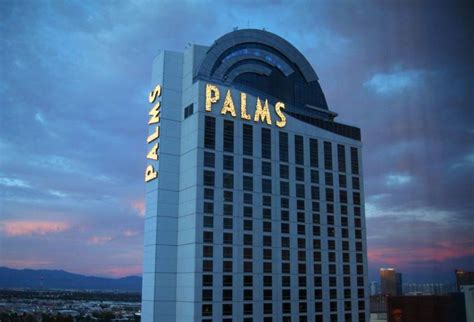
59,279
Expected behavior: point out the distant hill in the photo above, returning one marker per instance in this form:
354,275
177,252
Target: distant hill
58,279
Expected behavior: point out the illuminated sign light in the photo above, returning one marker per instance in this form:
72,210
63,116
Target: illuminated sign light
262,111
150,172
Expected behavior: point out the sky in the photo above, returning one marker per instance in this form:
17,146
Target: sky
74,82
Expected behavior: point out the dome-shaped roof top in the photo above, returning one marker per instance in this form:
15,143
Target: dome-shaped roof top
265,62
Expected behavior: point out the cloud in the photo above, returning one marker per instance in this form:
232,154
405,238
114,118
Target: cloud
99,240
139,207
395,82
32,227
398,179
130,233
12,182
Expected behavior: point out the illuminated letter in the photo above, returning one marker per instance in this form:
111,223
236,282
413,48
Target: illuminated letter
278,107
154,94
155,114
262,114
155,135
150,173
153,154
243,107
228,104
212,96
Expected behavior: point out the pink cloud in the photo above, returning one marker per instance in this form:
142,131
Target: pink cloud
26,263
99,240
130,233
411,256
32,227
139,207
124,271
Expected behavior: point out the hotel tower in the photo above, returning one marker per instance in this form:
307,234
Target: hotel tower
254,194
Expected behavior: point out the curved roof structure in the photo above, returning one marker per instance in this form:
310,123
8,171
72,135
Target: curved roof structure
264,62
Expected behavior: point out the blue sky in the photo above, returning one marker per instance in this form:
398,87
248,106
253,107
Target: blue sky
73,86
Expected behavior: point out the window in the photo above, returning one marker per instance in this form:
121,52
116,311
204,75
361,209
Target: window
284,172
188,111
329,194
267,200
210,132
248,224
283,142
208,221
207,251
267,240
228,136
315,192
227,266
267,213
207,280
314,176
207,265
284,188
299,173
208,178
300,190
228,209
299,150
313,153
285,215
248,239
227,238
248,183
266,168
354,161
227,295
342,181
227,252
208,208
267,226
356,198
227,280
207,309
247,211
355,183
266,185
247,137
248,308
341,158
207,295
247,165
228,196
208,237
228,162
248,198
343,196
328,178
327,155
209,159
208,193
228,180
266,143
227,223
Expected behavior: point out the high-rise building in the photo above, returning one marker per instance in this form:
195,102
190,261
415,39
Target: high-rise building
463,278
254,194
390,282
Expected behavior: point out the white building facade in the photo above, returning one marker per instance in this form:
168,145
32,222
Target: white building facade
254,194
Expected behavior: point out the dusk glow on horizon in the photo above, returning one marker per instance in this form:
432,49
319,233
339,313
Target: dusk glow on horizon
74,84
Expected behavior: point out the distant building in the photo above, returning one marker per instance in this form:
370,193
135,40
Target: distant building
373,286
464,278
426,308
468,291
390,282
428,289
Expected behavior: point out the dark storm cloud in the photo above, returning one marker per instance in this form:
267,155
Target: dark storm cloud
74,80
